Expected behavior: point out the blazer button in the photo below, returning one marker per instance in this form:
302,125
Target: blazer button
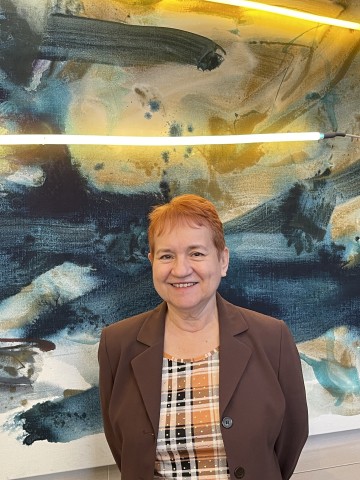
239,472
227,422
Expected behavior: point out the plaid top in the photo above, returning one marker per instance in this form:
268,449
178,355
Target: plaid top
189,443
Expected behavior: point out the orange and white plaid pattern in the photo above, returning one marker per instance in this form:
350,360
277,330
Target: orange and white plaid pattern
190,443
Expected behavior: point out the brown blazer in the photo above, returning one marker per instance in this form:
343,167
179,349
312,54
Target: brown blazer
262,396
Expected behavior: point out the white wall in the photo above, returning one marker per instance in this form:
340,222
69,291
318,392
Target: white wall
333,456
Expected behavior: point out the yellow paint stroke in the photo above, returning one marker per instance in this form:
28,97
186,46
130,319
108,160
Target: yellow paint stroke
345,220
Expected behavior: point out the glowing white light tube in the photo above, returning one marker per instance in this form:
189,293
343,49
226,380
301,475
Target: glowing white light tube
63,139
288,12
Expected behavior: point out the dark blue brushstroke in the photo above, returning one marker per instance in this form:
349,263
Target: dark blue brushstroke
302,213
62,420
18,44
114,43
311,296
68,37
88,41
121,294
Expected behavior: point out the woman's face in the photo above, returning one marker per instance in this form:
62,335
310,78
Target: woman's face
187,268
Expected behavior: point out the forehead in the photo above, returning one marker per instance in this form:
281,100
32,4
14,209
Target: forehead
184,232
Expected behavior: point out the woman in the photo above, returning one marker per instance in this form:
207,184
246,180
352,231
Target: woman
198,387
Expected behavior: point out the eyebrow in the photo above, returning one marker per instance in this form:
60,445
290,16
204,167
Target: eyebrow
191,247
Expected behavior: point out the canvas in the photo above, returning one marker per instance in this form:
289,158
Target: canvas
73,254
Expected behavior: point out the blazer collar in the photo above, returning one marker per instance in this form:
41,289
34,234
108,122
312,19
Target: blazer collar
234,356
153,329
147,366
234,353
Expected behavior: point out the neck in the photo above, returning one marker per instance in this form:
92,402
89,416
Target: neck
190,321
190,337
190,324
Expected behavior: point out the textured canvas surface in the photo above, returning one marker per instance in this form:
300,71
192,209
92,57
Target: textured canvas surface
73,251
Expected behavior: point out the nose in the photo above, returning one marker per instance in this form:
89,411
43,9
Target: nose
181,267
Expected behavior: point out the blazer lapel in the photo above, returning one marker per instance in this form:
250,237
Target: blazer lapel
147,366
234,354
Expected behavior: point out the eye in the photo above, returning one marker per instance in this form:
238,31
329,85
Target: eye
197,254
165,257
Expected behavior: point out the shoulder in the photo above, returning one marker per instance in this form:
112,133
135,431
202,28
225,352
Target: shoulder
248,319
268,331
254,327
125,331
257,320
268,338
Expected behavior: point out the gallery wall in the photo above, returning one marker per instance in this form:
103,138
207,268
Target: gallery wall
335,456
73,246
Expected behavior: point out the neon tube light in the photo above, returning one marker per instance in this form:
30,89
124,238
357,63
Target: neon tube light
291,13
114,140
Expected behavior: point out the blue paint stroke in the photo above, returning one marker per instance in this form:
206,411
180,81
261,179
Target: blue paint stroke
62,421
339,379
114,43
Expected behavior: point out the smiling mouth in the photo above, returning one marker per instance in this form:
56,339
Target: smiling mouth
184,285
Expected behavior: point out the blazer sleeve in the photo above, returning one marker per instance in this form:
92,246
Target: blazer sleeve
106,381
294,430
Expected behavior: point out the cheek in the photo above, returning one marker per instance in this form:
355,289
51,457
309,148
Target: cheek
159,273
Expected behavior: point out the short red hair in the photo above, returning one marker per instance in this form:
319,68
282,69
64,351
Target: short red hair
190,209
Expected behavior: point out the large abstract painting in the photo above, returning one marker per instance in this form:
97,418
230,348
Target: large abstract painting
73,247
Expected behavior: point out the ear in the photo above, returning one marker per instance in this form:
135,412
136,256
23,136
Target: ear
224,260
150,257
